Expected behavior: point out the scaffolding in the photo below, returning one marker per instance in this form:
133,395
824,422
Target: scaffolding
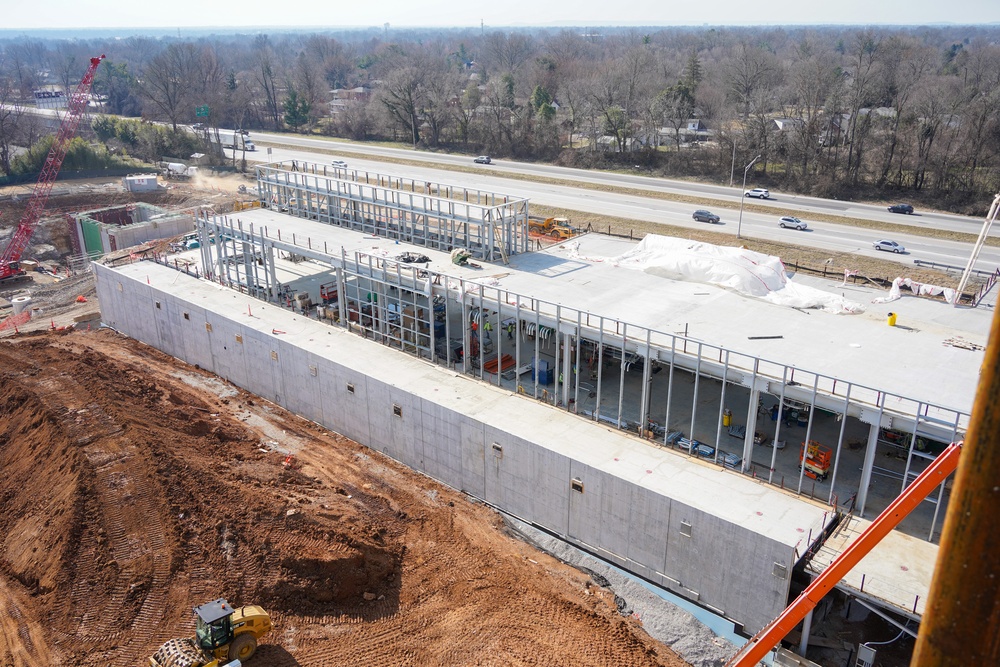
491,226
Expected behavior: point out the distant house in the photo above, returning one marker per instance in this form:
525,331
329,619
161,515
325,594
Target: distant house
691,130
359,94
610,143
787,124
340,98
835,129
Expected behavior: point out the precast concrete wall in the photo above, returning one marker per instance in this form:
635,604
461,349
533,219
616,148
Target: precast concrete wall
730,568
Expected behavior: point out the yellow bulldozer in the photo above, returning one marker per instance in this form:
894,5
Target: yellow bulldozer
224,635
557,228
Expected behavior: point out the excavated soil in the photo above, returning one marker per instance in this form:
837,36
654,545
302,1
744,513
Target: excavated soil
133,487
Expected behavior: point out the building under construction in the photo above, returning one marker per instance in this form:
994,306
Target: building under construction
720,443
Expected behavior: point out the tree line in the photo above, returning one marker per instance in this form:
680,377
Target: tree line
834,111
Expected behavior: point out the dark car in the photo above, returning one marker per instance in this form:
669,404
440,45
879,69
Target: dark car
483,159
901,208
702,215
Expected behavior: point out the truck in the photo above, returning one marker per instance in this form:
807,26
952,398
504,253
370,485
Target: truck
236,140
557,228
178,170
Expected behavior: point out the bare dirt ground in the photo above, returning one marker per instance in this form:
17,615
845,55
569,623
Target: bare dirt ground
133,486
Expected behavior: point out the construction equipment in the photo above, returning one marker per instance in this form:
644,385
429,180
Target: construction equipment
10,269
817,460
935,474
557,228
460,257
223,635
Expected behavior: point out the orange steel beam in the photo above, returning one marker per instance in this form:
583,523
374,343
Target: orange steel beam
961,623
765,640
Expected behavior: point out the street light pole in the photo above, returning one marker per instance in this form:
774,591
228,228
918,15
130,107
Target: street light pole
743,196
732,169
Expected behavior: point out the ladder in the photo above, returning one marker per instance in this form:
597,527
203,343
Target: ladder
499,239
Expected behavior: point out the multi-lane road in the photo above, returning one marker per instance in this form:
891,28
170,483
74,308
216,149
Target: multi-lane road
553,186
515,178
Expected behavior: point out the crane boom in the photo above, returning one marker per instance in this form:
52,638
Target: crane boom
9,260
765,640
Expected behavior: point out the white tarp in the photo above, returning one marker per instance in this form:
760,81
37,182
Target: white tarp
920,289
744,271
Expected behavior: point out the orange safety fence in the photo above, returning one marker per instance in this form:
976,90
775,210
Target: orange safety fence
15,320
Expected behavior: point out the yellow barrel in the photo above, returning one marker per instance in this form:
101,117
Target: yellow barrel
892,319
727,417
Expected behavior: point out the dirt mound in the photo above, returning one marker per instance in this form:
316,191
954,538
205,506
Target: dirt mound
135,487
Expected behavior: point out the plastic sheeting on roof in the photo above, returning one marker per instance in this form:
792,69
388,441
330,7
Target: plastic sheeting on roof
746,272
919,289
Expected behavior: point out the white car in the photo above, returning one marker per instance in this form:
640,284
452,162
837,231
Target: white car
890,246
759,193
795,223
338,164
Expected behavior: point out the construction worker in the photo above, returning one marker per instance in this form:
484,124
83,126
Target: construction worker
510,331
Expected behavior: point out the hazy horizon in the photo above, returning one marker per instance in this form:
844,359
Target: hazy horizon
71,16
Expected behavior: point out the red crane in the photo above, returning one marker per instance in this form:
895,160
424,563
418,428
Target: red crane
11,257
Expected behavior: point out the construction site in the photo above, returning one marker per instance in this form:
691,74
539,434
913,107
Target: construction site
390,425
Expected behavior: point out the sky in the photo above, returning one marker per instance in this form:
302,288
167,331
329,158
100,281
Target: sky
268,15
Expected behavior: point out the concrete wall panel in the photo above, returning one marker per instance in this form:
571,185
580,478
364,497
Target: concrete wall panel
189,321
227,353
259,346
379,409
312,389
528,481
162,320
647,540
721,564
298,384
405,430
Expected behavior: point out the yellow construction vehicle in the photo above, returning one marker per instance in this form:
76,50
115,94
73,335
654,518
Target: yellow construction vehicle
557,228
224,635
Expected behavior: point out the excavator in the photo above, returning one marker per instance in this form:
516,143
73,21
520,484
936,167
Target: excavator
224,635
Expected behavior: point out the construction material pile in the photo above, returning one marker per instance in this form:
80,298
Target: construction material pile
746,272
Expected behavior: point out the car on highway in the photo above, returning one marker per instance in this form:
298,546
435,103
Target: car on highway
901,208
483,159
795,223
702,215
888,246
759,193
339,164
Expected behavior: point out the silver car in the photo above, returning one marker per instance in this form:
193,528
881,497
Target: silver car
759,193
794,223
889,246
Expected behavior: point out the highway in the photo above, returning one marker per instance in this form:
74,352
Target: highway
824,235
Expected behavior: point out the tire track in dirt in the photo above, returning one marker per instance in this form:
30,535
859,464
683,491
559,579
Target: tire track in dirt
130,518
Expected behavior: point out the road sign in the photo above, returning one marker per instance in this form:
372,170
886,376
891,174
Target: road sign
201,111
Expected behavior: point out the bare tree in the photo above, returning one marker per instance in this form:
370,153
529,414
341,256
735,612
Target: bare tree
11,114
506,52
168,82
747,71
402,94
265,78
